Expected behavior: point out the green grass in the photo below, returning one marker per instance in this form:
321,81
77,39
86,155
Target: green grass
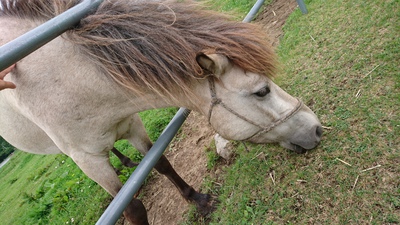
342,59
47,189
240,7
156,120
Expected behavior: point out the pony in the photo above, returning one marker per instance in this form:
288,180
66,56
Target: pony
82,91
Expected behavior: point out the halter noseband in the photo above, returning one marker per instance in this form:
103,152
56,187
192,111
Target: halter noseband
217,101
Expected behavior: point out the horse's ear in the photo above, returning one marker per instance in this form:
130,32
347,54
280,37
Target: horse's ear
215,64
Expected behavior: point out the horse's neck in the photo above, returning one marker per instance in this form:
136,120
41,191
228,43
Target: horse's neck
199,103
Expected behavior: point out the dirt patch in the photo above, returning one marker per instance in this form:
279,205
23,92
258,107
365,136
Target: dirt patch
187,152
274,16
187,155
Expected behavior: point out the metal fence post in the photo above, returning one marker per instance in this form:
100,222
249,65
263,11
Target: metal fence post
302,6
253,11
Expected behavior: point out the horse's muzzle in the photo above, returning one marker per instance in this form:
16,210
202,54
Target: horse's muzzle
302,144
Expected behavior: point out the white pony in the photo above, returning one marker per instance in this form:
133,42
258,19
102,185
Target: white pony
80,93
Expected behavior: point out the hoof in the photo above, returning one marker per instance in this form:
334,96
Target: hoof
205,203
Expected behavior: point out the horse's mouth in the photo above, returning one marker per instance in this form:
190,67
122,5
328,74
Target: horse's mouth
298,149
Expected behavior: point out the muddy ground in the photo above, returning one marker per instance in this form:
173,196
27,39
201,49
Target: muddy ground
187,152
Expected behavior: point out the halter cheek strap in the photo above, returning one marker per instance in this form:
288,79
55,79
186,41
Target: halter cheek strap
262,130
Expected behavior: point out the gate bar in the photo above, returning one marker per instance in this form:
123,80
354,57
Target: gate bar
253,11
27,43
302,6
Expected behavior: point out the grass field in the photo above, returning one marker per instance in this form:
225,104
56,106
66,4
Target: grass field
239,7
47,190
342,59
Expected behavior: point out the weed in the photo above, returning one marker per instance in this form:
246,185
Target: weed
212,156
13,180
40,213
29,198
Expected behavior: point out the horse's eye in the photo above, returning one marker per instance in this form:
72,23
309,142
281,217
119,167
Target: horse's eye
262,92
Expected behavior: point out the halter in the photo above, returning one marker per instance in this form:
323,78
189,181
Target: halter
217,101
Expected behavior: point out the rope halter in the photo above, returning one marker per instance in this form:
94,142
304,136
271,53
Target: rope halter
262,130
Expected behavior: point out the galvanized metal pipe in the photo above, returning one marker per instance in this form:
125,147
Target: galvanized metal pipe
253,11
132,185
302,6
25,44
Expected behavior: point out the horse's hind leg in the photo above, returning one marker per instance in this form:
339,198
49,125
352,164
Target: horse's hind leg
141,141
99,169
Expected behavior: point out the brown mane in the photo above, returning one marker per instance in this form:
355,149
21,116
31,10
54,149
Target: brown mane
154,44
35,9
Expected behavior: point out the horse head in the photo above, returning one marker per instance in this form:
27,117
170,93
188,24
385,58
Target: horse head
249,106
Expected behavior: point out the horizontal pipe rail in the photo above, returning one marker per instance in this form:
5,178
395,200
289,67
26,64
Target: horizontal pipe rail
27,43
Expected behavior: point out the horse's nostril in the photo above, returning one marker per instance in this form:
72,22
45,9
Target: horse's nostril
319,131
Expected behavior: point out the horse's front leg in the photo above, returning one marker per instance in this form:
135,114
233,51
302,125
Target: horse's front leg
99,169
203,202
140,140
